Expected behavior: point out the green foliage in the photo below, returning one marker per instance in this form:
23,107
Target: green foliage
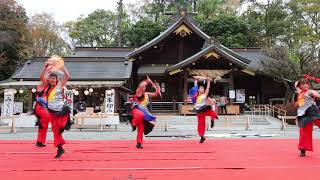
269,21
208,9
305,28
142,32
231,31
97,29
14,37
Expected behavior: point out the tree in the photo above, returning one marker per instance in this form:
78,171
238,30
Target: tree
230,31
97,29
120,15
280,65
301,42
269,20
46,38
208,9
14,37
155,9
142,32
305,26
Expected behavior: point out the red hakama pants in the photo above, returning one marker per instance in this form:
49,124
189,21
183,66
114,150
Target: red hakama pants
305,140
58,124
138,118
202,120
44,119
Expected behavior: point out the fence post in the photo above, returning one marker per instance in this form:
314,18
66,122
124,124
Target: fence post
273,111
174,105
248,125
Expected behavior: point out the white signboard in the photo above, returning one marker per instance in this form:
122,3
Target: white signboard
109,101
69,100
232,94
17,107
240,95
8,102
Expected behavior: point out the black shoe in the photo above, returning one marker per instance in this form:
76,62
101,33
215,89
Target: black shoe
59,153
139,146
202,139
40,144
212,123
302,153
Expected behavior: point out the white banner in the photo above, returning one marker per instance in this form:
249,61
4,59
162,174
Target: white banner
17,107
8,102
232,94
69,99
109,101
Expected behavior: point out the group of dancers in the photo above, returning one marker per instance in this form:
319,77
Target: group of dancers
51,107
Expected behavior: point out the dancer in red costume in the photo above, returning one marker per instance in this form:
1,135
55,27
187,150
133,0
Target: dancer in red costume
139,110
58,112
41,111
42,114
308,114
199,98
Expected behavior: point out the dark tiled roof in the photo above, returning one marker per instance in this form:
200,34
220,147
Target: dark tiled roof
255,55
81,70
157,69
102,52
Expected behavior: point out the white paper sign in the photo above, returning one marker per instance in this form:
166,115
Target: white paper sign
8,102
109,101
232,94
17,107
240,95
69,100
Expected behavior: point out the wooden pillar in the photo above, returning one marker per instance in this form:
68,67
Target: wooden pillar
231,84
185,85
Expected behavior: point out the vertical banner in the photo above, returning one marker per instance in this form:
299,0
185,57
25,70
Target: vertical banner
69,100
232,94
8,102
109,101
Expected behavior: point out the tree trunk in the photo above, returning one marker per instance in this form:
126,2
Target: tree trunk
120,13
288,93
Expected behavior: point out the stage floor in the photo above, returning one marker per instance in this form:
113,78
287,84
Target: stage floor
225,159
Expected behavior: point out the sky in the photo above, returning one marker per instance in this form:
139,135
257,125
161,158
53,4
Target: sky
67,10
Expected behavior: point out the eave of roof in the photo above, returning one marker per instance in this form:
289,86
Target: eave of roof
206,50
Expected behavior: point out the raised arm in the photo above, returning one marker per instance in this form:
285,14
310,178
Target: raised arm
156,92
314,93
42,75
66,77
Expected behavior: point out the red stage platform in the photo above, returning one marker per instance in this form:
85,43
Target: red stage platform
225,159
